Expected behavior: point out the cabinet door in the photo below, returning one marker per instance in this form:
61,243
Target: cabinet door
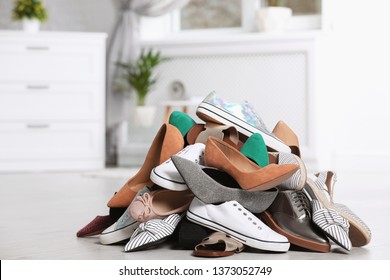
47,101
41,60
51,141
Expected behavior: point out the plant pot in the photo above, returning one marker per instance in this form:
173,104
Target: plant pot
31,25
144,116
273,19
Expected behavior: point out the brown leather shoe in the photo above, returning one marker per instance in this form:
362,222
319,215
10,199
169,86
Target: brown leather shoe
249,175
289,215
167,142
287,136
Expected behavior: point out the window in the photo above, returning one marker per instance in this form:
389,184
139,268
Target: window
232,14
204,14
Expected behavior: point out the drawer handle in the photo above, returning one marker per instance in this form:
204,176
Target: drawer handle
37,48
37,126
37,87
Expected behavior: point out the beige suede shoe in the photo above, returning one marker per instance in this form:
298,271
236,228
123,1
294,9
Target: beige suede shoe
249,175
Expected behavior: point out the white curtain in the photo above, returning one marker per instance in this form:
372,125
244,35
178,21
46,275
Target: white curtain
123,45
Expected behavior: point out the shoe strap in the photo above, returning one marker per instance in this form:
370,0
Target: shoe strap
231,244
328,179
218,131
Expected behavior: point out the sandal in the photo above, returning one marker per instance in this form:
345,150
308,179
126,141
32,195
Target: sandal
218,244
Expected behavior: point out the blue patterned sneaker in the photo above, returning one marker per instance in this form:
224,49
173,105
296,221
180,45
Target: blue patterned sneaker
122,229
243,116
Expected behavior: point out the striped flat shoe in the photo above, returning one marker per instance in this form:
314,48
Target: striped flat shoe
298,179
332,224
152,233
359,232
323,185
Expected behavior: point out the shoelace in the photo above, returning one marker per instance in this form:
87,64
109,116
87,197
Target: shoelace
301,202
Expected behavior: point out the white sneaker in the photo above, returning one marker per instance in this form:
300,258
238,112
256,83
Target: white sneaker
233,219
166,175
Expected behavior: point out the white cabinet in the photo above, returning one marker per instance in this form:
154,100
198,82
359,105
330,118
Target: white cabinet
52,101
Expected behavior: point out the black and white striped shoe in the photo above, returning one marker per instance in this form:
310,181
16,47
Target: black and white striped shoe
328,220
322,184
153,232
298,179
332,224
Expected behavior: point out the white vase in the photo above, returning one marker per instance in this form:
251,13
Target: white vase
31,25
144,116
273,19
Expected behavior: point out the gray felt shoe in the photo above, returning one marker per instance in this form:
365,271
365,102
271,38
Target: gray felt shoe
211,185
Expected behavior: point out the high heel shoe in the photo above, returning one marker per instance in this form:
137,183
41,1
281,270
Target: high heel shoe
167,142
249,175
284,133
211,185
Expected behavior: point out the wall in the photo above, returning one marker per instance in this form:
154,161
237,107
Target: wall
67,15
356,95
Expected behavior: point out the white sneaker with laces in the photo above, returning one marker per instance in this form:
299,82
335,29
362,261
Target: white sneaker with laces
232,218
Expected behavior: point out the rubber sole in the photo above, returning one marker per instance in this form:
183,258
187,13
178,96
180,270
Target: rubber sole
120,235
166,183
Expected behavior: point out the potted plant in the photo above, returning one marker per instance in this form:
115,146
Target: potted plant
31,13
140,77
274,17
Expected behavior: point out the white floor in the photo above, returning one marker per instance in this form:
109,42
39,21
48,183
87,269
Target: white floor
41,213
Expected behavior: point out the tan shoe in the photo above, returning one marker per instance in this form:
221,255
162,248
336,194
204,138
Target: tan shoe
167,142
249,175
159,204
287,136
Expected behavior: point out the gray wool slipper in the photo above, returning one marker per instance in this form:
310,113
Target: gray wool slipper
211,185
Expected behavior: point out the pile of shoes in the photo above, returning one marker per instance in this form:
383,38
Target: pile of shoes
224,186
